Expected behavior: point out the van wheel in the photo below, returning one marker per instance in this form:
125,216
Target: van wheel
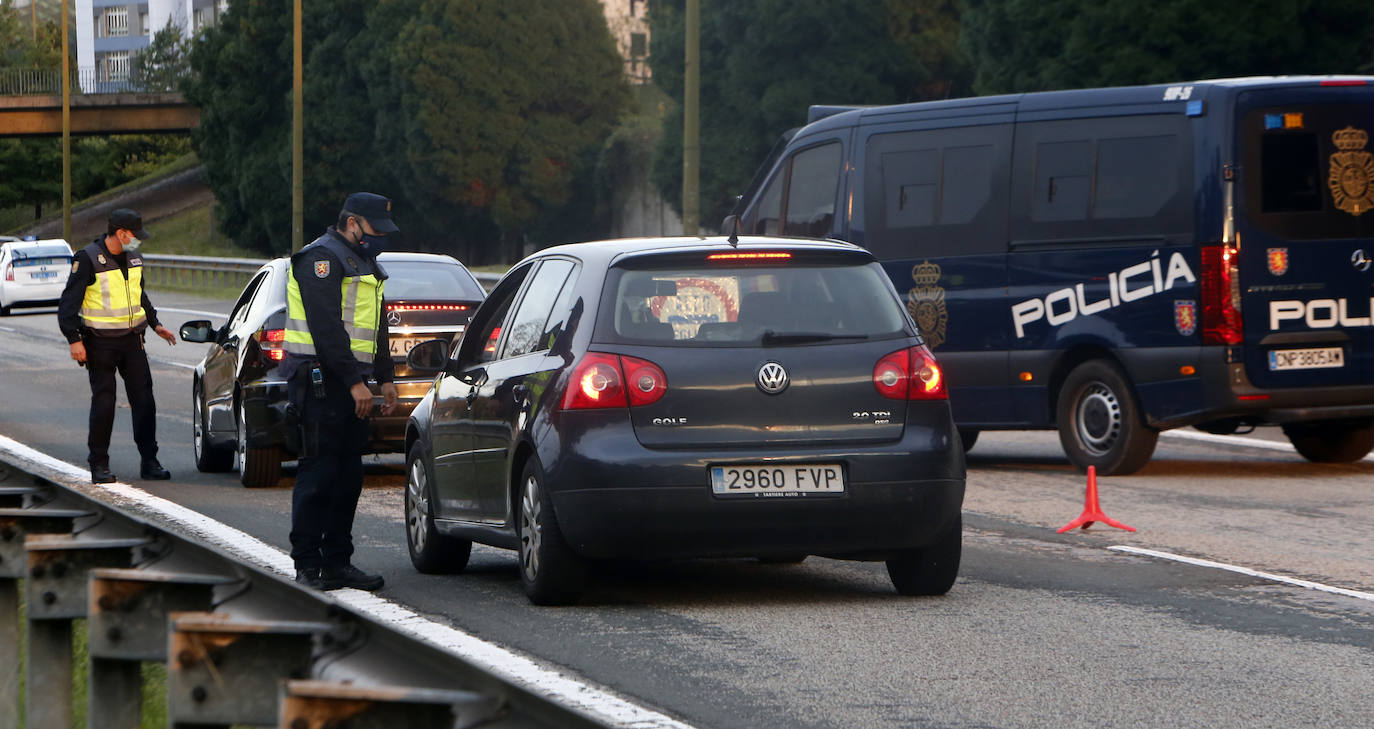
968,436
1332,441
552,573
930,570
1100,422
258,467
431,552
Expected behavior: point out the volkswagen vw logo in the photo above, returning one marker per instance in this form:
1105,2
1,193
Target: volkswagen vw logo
393,318
772,378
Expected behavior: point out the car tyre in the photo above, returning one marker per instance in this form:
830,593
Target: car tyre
551,572
1332,441
1100,423
930,570
258,467
968,436
209,457
430,552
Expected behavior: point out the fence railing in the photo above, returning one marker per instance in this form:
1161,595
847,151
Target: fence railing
151,581
26,81
190,272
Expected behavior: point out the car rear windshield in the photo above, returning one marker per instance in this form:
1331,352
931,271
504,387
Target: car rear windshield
752,305
415,280
1308,170
42,251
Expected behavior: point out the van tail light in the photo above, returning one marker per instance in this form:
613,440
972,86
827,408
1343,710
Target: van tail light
1221,321
910,374
273,342
602,380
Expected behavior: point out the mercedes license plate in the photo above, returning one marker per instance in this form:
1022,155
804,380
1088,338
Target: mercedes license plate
401,346
1306,359
789,480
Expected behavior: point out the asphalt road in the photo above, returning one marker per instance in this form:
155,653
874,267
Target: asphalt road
1041,630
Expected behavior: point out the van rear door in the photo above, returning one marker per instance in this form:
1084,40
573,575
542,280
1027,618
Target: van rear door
1305,228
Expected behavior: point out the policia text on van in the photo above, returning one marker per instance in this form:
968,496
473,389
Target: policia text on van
1114,262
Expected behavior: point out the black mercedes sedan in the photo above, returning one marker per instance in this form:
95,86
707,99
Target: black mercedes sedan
677,398
237,399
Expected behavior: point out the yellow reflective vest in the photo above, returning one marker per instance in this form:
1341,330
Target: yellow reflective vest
114,303
360,297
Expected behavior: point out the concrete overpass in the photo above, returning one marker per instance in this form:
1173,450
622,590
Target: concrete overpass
40,115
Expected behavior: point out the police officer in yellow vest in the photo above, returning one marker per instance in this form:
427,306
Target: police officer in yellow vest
103,313
336,338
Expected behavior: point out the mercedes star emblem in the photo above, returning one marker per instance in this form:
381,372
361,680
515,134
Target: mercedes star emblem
772,378
393,318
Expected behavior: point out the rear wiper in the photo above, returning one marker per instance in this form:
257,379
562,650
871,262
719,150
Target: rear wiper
772,337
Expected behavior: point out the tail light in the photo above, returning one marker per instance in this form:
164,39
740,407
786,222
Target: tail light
272,342
1221,322
426,307
603,380
910,374
9,271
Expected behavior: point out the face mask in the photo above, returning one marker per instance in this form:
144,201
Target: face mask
133,243
373,244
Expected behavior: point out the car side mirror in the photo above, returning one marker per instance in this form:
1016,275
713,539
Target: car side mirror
200,331
430,356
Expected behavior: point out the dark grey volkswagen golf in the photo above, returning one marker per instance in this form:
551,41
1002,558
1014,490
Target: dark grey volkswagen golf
674,398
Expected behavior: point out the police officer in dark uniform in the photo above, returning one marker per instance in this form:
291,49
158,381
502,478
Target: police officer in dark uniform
336,338
103,312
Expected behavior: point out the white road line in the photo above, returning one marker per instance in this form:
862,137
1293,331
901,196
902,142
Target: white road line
197,312
175,364
1246,571
1231,440
566,688
7,329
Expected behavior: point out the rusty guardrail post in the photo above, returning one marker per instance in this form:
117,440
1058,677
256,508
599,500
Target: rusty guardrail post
127,622
14,525
224,671
56,595
329,704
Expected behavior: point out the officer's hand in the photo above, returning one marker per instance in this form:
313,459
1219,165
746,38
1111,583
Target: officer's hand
79,351
389,397
362,399
166,334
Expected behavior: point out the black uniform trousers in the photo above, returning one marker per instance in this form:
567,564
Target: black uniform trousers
125,354
329,474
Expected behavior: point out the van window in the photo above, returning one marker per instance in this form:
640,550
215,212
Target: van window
937,192
813,181
1102,179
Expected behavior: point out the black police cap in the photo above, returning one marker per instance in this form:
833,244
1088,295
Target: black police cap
375,208
127,219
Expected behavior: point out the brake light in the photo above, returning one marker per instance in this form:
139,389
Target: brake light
603,380
646,381
1221,320
751,257
272,342
426,307
1343,82
595,383
9,271
910,374
492,340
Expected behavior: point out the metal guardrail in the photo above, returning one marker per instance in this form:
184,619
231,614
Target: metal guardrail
242,645
32,81
207,272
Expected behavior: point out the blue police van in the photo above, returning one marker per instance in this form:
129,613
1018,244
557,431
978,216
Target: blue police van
1116,262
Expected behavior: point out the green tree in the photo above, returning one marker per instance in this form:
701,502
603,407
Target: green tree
1034,45
162,65
30,173
764,62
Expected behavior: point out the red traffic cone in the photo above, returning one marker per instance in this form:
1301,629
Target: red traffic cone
1091,510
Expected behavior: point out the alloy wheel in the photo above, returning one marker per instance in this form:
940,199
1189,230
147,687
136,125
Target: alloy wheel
417,508
531,514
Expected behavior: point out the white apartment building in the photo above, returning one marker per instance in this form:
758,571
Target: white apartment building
109,33
629,24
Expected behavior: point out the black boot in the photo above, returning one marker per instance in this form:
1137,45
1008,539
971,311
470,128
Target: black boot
101,474
153,471
350,576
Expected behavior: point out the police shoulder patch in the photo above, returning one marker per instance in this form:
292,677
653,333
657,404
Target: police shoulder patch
75,265
321,269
